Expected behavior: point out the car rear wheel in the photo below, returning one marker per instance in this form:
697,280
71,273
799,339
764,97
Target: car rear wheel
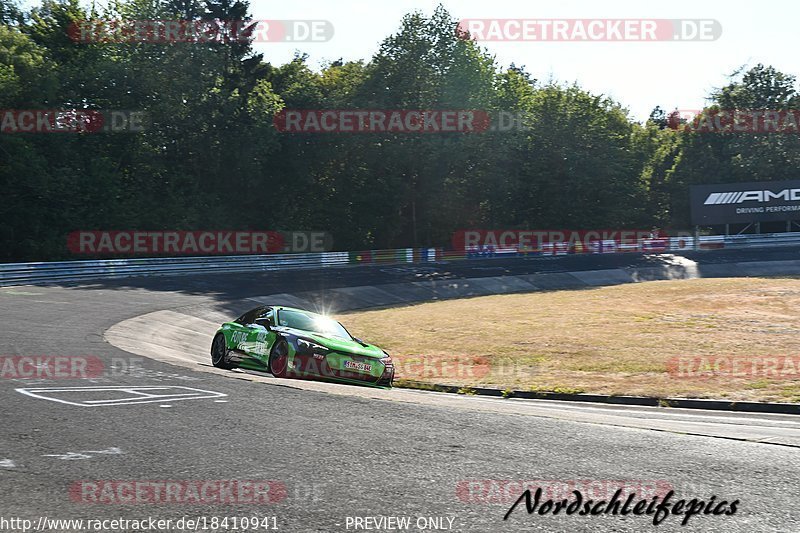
219,353
279,359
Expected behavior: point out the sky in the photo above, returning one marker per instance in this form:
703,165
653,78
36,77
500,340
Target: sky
639,75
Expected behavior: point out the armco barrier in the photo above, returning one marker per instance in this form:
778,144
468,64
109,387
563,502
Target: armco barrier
70,271
655,245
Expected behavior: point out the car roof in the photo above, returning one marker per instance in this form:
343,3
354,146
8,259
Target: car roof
284,308
287,308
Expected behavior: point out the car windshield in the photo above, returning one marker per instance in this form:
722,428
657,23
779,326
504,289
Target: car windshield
313,323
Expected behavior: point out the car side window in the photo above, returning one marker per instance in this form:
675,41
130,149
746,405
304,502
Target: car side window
266,318
250,316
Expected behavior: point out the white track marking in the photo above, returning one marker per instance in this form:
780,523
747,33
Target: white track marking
136,394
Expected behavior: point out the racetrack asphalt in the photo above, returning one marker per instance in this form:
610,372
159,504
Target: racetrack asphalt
338,455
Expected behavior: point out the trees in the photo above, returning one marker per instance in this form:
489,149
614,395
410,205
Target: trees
705,157
210,157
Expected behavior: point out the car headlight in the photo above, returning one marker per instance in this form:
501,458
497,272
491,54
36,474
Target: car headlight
311,347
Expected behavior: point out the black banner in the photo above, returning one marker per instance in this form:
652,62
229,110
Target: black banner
731,203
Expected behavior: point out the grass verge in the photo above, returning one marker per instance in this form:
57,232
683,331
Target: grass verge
659,339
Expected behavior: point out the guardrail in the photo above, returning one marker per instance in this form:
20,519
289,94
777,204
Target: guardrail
70,271
654,245
74,271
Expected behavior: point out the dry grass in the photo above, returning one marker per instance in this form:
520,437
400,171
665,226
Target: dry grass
611,340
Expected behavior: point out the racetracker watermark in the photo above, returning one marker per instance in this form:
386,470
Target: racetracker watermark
184,492
71,121
51,367
729,366
197,242
446,368
200,31
381,121
735,120
572,241
505,491
589,30
440,367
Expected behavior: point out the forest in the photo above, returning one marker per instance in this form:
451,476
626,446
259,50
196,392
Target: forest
209,155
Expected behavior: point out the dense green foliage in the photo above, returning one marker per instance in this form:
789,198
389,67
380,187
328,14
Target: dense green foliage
211,158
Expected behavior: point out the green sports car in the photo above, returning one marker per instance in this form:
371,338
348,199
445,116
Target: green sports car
293,343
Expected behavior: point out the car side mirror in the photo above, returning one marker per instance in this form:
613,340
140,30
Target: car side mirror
262,323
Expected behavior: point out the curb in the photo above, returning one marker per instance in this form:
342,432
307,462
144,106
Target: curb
676,403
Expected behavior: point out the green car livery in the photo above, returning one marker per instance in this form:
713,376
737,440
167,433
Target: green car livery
294,343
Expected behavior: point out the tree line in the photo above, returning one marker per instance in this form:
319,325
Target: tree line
210,157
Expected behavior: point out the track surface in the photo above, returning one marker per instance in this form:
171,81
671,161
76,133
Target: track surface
338,455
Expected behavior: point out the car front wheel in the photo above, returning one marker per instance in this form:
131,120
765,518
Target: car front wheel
279,360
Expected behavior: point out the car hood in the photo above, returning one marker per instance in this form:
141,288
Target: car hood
336,344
